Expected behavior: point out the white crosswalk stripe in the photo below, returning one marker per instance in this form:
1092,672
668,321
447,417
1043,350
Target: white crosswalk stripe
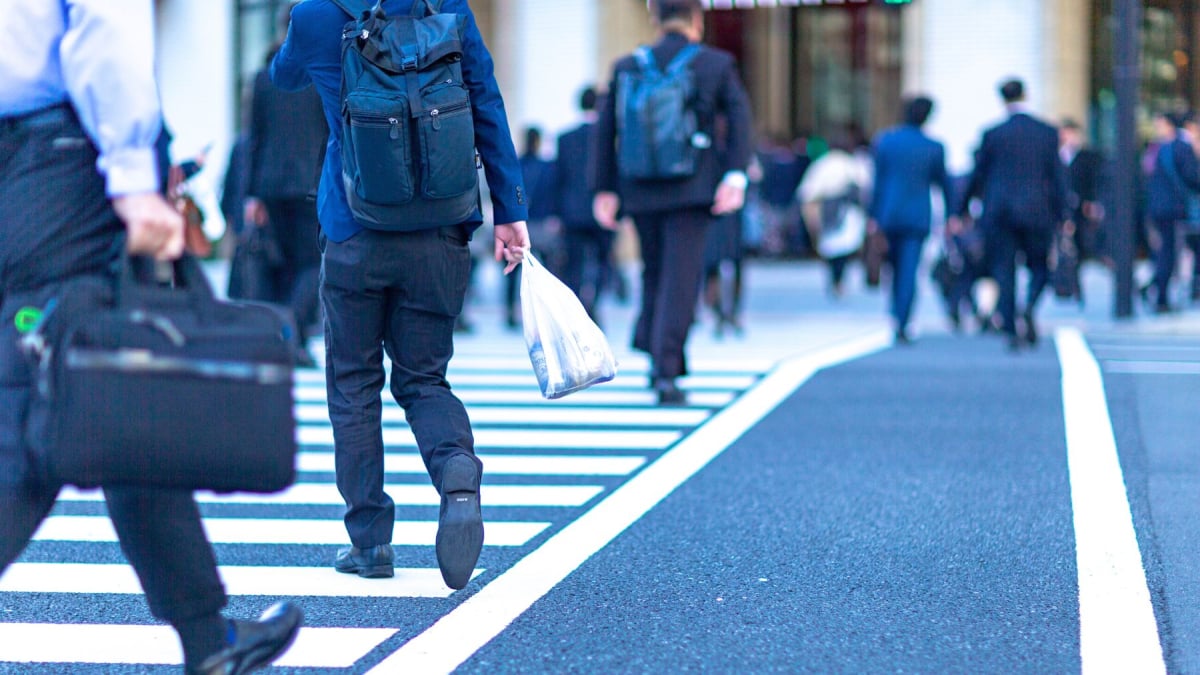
544,461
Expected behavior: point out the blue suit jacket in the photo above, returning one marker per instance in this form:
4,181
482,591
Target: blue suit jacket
312,53
1019,175
907,164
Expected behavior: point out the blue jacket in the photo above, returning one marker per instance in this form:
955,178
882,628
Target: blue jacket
907,164
312,53
1167,192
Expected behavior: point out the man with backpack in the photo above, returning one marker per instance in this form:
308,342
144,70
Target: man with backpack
397,204
660,160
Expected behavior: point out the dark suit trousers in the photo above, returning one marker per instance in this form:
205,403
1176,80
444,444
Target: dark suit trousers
159,530
1034,246
398,292
297,281
586,252
904,254
1165,258
672,246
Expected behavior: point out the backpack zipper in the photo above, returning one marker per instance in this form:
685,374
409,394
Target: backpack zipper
436,113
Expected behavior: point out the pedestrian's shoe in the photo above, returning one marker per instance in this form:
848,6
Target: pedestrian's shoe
460,522
255,643
1031,333
669,394
902,338
375,562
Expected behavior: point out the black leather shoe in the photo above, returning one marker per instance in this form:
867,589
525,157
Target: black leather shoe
1031,332
375,562
256,643
669,394
460,522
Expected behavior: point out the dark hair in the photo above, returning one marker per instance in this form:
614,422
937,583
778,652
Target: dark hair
1178,118
1012,91
533,140
917,110
669,10
1071,124
587,99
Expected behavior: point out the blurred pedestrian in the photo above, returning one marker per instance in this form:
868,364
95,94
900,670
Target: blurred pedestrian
1173,180
587,246
397,287
79,118
1085,175
832,195
1020,179
287,139
544,228
908,164
672,215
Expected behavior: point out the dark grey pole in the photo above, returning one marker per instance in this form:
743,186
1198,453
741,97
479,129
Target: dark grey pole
1128,20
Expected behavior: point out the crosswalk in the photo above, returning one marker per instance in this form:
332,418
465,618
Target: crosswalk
545,463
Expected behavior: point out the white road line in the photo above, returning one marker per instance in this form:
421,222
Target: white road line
596,396
575,416
518,438
325,494
1152,367
1117,628
284,531
409,582
462,364
496,465
158,645
622,380
459,634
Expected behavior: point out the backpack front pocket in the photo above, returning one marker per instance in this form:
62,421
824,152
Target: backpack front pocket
376,153
447,136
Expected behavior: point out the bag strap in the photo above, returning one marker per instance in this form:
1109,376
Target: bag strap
645,59
355,8
683,59
424,8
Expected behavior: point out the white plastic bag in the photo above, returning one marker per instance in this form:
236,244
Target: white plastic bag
568,350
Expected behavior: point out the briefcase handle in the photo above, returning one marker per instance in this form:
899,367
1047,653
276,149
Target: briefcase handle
183,283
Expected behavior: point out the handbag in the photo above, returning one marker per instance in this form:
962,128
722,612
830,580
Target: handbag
140,383
567,349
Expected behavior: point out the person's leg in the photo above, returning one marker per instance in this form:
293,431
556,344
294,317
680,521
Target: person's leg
302,258
430,284
651,235
1004,269
1035,245
354,301
1164,264
683,241
904,252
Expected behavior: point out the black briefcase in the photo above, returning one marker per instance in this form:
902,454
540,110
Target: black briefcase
161,385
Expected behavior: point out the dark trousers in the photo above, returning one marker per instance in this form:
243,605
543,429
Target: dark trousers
159,530
297,280
1165,258
672,246
399,293
1034,246
904,255
585,261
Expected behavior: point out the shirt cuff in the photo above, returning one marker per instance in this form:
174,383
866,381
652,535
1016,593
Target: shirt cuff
737,179
130,171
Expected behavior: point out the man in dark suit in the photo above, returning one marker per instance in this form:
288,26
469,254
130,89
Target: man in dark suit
1021,182
286,140
1084,168
401,291
1174,179
587,245
672,216
907,165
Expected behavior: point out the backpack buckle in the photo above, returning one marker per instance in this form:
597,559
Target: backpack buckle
408,63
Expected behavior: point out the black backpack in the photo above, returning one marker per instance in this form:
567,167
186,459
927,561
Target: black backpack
658,135
408,135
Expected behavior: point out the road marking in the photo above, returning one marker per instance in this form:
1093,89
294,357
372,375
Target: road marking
621,381
576,416
1118,632
285,531
518,438
158,645
409,582
1152,367
459,634
326,494
597,396
497,465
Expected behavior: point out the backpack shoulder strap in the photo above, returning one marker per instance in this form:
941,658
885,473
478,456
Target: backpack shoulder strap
645,59
424,8
683,58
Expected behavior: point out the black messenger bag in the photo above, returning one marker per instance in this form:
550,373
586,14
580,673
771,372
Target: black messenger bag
144,384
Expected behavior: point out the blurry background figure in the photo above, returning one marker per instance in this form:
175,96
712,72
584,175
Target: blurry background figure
1085,168
831,195
908,165
1173,181
723,253
587,247
285,151
544,229
1191,226
782,166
